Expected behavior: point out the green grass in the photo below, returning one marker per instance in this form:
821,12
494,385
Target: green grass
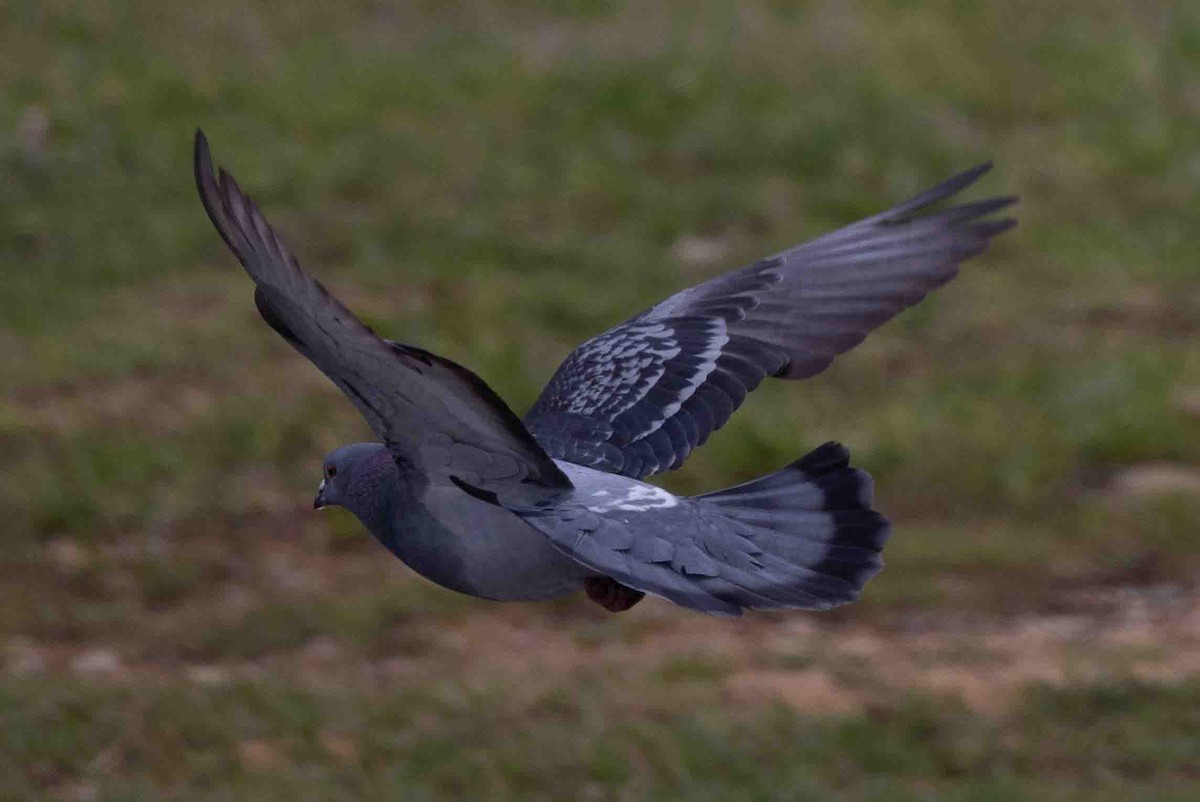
370,620
267,742
497,182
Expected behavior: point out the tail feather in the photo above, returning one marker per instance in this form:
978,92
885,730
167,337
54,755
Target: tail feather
814,522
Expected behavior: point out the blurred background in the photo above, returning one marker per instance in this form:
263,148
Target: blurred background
497,182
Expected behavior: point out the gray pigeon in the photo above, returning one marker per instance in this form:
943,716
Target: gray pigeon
477,500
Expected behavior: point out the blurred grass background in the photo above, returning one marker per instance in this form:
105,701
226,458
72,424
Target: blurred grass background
496,182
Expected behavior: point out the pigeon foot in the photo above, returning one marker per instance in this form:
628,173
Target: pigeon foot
611,594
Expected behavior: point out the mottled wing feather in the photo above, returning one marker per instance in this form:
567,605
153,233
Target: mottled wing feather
430,412
615,404
640,397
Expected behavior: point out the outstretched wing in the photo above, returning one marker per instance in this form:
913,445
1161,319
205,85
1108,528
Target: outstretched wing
638,398
431,413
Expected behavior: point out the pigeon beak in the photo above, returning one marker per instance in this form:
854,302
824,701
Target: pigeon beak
319,501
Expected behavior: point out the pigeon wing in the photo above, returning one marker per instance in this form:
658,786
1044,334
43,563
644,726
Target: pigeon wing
430,412
640,397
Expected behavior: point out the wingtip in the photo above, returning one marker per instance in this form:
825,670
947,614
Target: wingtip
968,177
998,227
202,165
981,168
212,196
202,170
937,194
200,152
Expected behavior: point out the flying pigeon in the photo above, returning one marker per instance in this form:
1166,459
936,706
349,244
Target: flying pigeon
480,501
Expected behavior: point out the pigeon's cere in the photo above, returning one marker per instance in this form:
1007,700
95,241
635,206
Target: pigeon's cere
475,499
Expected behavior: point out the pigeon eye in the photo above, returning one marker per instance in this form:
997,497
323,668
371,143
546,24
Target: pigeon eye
330,471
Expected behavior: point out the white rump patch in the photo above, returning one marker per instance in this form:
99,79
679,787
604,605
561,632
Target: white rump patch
640,498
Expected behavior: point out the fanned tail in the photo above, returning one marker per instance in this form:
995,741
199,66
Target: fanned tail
814,515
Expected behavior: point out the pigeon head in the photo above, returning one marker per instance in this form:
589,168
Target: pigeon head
352,476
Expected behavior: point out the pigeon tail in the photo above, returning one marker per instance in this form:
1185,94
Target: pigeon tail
814,515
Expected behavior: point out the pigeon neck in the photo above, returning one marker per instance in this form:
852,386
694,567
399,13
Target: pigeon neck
375,495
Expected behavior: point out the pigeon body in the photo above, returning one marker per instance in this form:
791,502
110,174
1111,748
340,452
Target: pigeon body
815,515
479,501
448,536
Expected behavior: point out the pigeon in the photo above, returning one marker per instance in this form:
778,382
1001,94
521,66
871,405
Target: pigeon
483,502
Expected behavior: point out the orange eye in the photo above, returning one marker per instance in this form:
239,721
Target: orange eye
330,471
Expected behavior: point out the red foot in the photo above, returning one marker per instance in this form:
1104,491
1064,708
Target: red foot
611,594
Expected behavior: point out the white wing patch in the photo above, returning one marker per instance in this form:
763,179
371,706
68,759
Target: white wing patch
640,498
